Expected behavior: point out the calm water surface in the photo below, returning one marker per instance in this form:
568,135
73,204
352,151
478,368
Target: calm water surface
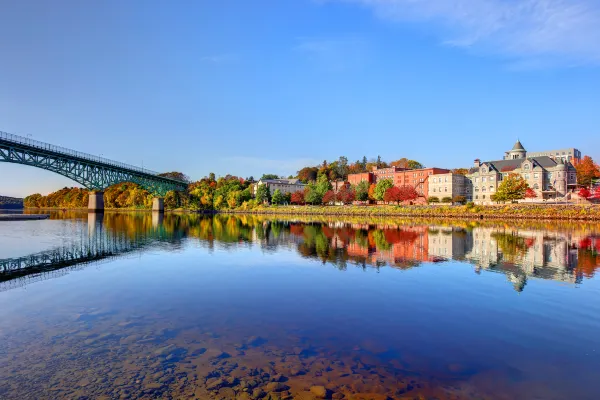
245,307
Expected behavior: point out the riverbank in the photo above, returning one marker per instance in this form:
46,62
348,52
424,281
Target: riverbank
508,211
23,217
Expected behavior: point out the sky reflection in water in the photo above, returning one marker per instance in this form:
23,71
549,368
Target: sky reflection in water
186,306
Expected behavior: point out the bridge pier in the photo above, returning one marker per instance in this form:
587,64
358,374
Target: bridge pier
157,219
158,204
96,202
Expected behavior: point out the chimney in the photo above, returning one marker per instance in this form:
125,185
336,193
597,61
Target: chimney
477,163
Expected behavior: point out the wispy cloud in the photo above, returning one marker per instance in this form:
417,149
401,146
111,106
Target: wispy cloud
224,58
530,32
334,54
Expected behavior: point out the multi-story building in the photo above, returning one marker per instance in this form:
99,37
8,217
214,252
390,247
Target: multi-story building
284,185
571,155
417,178
449,185
549,178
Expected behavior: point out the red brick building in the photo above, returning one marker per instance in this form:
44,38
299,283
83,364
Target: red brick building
417,178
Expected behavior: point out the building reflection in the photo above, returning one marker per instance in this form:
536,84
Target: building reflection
561,252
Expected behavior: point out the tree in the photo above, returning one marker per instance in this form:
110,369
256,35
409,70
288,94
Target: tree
511,188
364,164
408,193
342,167
263,194
530,193
297,198
392,195
447,199
382,186
362,191
460,171
308,174
379,163
211,177
587,170
323,185
311,194
178,176
433,199
278,198
458,199
269,176
584,193
328,197
371,192
412,164
346,195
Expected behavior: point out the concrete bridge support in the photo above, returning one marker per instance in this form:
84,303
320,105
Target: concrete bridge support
158,204
96,202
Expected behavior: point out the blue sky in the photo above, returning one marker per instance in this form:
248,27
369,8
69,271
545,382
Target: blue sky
268,86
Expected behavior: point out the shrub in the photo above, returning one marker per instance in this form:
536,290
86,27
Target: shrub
470,204
433,199
447,200
459,199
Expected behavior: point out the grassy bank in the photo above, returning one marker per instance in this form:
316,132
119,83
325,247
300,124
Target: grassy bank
511,211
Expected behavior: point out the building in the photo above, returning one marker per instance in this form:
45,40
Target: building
571,155
449,185
417,178
283,185
550,178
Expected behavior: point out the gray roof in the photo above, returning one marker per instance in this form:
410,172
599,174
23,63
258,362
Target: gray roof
518,146
500,165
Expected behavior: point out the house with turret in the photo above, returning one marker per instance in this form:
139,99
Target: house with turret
549,177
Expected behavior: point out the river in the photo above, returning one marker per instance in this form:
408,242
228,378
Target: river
140,305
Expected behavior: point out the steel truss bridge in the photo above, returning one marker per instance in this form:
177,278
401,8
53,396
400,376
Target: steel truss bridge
94,173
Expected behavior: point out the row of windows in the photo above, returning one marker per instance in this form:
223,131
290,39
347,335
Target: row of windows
483,179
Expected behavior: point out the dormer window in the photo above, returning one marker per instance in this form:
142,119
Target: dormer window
526,167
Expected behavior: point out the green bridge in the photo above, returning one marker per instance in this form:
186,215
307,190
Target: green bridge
92,172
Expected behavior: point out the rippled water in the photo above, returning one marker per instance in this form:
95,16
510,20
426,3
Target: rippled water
186,306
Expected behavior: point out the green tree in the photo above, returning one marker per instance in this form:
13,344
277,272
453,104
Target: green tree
342,167
447,199
513,187
412,164
433,199
362,191
211,177
323,185
381,187
278,198
269,176
263,194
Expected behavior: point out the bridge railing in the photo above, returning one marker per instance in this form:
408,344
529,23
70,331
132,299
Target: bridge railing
68,152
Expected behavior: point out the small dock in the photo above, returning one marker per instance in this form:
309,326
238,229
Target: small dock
23,217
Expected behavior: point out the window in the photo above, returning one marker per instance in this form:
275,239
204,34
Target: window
476,196
445,189
433,190
536,186
526,176
535,176
483,179
491,188
434,180
476,179
491,178
483,196
483,188
526,167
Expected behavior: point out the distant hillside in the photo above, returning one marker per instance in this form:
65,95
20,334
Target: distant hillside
10,202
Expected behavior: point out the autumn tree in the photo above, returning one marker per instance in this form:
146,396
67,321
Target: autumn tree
381,187
513,187
530,193
587,171
346,195
297,197
308,174
458,199
328,197
371,192
408,193
392,195
584,193
460,171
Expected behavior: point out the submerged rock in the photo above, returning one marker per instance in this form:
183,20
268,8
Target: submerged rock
319,391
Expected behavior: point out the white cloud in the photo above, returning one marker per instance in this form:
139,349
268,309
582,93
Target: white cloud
559,32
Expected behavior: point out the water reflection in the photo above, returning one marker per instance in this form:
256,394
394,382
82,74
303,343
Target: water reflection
250,307
557,251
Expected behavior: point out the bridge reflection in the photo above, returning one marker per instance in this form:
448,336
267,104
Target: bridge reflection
562,252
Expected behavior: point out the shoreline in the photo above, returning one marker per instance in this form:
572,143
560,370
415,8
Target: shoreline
584,212
23,217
